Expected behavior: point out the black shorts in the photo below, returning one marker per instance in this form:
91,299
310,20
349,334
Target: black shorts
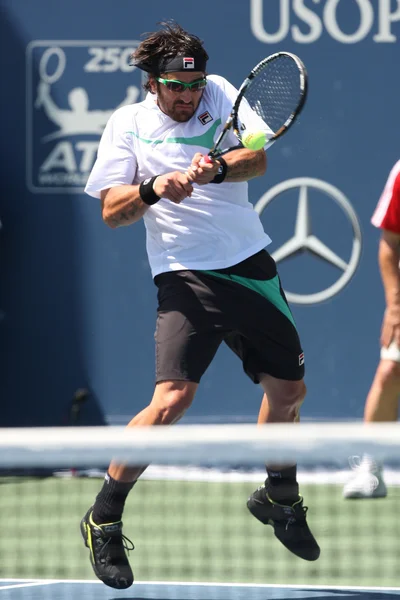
243,305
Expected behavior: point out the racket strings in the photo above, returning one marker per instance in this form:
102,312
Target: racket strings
275,92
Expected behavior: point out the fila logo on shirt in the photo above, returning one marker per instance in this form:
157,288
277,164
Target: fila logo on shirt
188,63
301,359
205,118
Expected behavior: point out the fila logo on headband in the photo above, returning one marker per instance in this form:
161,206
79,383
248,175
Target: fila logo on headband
188,63
205,118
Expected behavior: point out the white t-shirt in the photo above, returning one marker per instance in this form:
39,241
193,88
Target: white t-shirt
217,227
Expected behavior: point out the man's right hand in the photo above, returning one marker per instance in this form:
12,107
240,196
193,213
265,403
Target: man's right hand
173,186
391,326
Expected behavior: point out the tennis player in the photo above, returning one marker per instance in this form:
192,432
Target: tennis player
216,282
382,402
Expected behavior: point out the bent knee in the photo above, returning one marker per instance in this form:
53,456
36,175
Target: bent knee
389,372
286,404
293,392
171,399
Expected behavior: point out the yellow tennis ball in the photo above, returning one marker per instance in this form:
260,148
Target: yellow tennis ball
254,140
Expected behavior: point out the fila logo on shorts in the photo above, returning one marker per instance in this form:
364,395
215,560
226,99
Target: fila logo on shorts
301,359
188,63
205,118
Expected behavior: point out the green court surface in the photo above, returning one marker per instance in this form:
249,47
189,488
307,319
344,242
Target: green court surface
198,531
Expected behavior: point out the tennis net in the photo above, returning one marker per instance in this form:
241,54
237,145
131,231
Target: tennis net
187,516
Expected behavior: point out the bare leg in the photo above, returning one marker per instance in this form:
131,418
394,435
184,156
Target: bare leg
277,502
101,527
281,401
170,401
280,404
382,403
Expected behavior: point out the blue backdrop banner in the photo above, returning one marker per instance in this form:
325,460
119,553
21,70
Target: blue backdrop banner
77,301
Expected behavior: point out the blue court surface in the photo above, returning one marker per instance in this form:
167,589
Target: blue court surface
15,589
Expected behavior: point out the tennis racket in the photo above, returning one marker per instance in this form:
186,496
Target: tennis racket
276,90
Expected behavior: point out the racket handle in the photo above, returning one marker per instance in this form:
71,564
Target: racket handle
207,159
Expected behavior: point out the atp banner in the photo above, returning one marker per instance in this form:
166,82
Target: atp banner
62,137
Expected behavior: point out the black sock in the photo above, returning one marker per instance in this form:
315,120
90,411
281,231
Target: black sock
110,501
282,486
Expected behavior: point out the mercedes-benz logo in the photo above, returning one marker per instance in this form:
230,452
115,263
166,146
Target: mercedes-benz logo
304,240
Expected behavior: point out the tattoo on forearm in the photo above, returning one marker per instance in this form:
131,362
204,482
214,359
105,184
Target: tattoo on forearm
129,214
115,222
244,170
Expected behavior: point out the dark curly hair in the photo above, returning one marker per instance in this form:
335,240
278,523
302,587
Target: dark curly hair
168,42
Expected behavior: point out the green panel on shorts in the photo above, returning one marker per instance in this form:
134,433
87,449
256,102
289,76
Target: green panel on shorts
269,288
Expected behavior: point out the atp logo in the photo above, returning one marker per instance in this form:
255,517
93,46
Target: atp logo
73,87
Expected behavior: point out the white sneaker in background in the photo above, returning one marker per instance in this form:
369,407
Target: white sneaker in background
366,480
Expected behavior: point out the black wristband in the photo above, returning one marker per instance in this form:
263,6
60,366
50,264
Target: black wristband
222,171
147,192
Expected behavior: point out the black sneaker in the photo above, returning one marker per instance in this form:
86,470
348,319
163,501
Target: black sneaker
289,523
107,548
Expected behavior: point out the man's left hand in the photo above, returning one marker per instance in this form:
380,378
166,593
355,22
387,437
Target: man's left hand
202,172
